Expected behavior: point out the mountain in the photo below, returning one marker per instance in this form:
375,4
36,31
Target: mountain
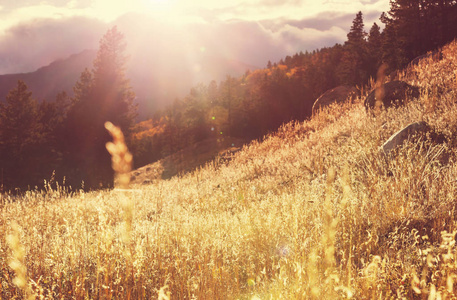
154,83
48,81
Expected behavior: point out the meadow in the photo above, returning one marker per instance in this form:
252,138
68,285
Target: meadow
314,211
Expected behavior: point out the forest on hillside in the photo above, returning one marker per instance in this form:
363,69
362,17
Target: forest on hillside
258,102
63,140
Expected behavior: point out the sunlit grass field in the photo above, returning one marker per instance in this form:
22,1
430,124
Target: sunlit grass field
312,212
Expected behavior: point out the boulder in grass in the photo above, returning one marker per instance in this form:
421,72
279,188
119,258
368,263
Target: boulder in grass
436,55
391,93
147,182
414,130
335,95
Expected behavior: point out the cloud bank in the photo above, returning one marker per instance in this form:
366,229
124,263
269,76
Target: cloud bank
37,43
252,32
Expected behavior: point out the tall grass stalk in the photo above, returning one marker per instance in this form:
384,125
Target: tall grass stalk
17,262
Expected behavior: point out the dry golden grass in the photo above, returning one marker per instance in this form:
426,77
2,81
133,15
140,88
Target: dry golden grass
313,212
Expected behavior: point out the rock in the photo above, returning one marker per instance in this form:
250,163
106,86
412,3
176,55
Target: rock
413,130
436,55
394,75
431,56
336,95
402,135
394,92
147,181
228,154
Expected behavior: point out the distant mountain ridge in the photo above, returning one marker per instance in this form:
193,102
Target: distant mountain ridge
46,82
153,86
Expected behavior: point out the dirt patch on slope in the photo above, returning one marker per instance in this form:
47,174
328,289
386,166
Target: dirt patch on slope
188,159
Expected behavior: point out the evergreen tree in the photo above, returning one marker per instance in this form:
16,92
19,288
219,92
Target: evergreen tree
353,66
414,27
19,133
392,53
102,94
18,117
195,114
357,35
404,33
49,153
83,86
374,47
111,89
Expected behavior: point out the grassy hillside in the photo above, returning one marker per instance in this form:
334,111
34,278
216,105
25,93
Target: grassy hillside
188,159
313,212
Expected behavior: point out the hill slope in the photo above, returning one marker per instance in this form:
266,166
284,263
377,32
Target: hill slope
313,212
188,159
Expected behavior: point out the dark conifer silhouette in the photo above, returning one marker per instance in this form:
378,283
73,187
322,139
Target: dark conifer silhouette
19,136
102,94
353,65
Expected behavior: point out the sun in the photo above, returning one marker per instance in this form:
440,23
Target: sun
160,7
159,3
109,10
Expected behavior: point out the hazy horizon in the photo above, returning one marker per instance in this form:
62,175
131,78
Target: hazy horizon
250,32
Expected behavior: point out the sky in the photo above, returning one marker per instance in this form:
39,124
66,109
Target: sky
33,33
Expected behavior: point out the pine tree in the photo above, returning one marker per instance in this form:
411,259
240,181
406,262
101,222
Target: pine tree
102,94
18,116
413,27
19,133
49,153
407,21
353,65
374,47
392,53
83,86
111,88
357,35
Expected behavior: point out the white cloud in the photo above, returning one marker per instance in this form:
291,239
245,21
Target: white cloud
295,39
252,31
182,10
260,10
37,43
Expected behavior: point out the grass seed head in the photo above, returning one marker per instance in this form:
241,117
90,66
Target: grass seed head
121,158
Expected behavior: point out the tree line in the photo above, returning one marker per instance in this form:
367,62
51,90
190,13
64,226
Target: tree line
64,140
260,101
66,137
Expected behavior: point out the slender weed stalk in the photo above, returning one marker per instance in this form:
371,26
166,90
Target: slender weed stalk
379,89
121,160
17,262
